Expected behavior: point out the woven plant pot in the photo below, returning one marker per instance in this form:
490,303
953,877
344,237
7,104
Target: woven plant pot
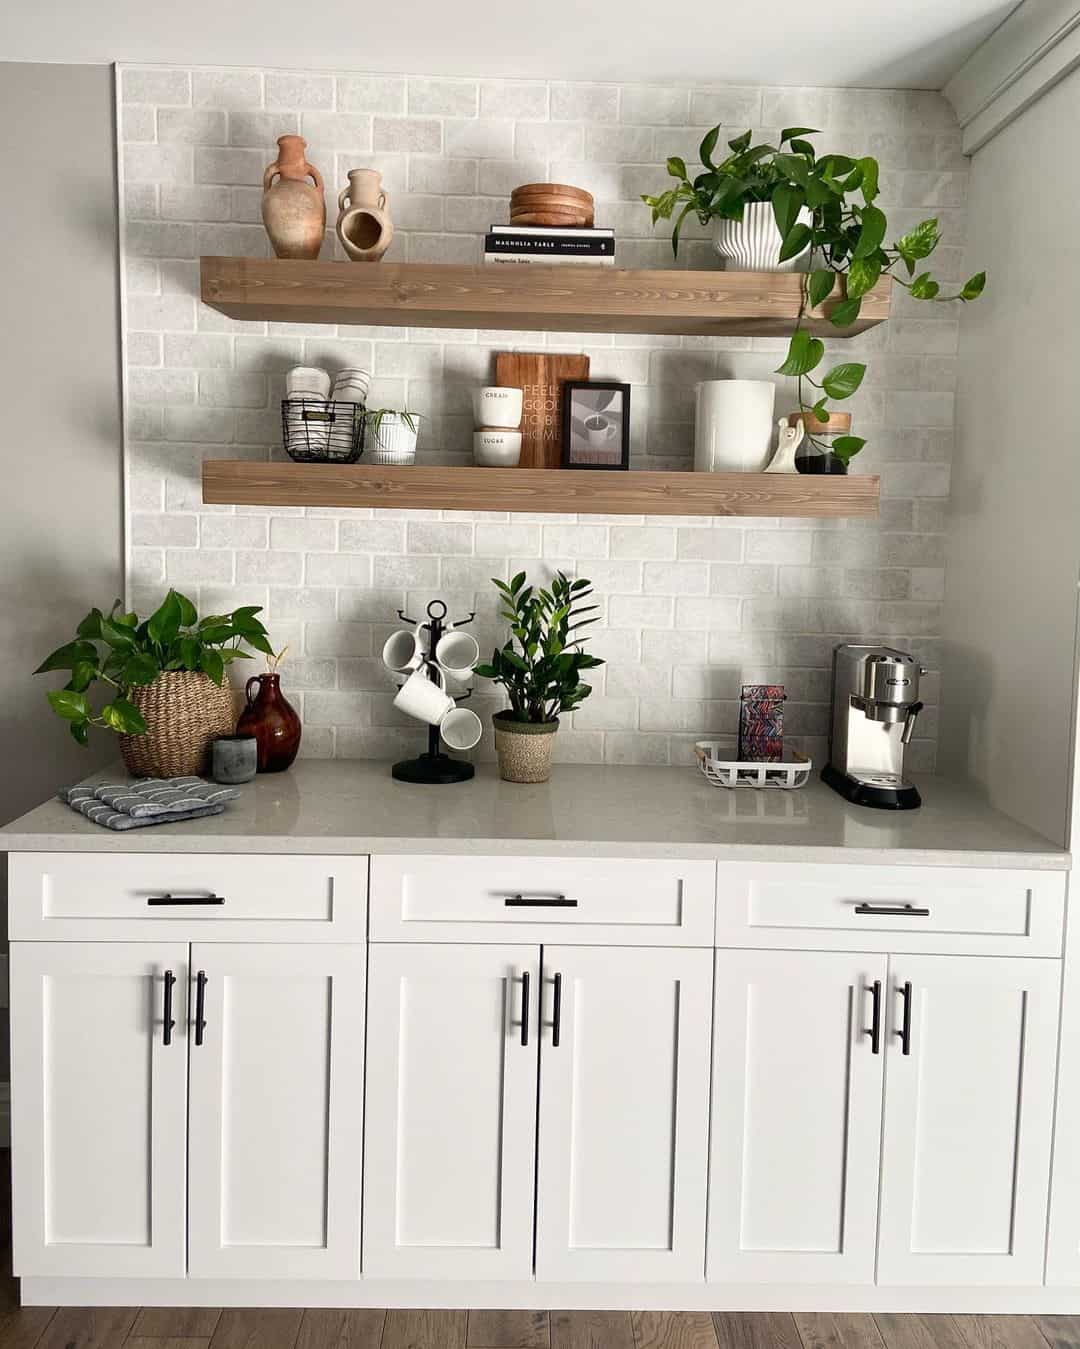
184,712
524,748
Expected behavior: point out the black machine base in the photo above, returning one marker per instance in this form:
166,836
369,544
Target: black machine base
904,797
432,768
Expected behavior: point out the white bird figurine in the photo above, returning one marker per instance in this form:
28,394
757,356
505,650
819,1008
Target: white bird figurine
788,441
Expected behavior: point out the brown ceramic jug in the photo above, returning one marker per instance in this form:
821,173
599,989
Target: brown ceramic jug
293,211
272,720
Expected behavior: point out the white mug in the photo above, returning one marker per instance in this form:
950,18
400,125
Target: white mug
305,380
424,699
403,651
497,449
495,406
461,728
599,429
457,653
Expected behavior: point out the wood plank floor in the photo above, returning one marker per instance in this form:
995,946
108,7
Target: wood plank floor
210,1328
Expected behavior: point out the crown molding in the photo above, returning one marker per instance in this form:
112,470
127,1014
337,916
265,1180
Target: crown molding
1035,47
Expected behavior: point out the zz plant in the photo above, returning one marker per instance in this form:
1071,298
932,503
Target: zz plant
541,663
826,203
122,652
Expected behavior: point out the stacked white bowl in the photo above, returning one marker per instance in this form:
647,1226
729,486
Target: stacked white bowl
497,415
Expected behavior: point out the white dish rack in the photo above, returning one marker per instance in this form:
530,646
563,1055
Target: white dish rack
720,769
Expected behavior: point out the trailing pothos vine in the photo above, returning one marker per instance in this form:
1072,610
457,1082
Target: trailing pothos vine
826,205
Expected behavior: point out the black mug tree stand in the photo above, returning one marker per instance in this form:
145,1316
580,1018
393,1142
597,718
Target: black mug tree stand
434,766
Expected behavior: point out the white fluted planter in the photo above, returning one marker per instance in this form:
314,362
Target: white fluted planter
753,243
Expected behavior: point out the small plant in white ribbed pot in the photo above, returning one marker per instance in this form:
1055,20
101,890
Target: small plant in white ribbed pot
540,668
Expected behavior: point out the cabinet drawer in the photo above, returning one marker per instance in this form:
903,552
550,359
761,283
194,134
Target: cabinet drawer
947,910
159,896
537,899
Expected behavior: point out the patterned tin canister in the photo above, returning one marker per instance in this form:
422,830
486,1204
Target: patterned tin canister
761,723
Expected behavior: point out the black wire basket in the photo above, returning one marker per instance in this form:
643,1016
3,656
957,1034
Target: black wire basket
315,431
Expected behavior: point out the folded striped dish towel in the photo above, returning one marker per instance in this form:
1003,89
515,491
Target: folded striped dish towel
134,805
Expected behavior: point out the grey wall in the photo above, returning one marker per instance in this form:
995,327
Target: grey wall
61,497
1014,532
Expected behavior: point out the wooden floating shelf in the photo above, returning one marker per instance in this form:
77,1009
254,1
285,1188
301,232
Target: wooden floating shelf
551,299
233,482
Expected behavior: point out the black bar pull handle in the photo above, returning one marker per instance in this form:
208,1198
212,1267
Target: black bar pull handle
200,1006
525,1009
556,1012
892,910
157,900
166,1011
904,1032
539,901
875,1018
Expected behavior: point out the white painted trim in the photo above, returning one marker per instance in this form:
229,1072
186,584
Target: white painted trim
1034,48
570,1296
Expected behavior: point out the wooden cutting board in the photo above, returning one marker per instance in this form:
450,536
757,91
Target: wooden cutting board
541,379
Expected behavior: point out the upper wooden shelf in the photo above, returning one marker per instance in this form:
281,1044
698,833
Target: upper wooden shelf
239,482
551,299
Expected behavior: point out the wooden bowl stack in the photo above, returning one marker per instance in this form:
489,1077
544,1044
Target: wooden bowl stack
554,205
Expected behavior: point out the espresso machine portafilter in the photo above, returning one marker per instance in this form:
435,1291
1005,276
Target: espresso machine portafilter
874,708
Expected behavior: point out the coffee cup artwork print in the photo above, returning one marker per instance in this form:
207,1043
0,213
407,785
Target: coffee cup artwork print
596,425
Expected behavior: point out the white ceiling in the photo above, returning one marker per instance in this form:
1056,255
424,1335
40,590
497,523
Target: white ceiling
883,43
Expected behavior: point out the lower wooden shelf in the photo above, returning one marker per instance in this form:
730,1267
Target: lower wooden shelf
574,491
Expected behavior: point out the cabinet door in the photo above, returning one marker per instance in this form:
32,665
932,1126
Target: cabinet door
98,1109
276,1118
796,1117
624,1114
450,1140
966,1152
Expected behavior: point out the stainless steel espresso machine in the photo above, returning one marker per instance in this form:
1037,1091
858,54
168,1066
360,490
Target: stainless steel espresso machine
875,704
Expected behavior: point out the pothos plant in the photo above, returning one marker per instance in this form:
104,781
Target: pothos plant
119,650
829,205
541,663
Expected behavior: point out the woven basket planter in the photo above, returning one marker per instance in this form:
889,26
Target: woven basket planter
524,748
184,712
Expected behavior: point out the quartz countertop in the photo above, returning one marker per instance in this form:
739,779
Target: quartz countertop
354,806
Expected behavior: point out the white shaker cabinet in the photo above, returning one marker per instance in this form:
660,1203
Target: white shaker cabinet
275,1140
624,1103
968,1104
796,1125
451,1111
99,1108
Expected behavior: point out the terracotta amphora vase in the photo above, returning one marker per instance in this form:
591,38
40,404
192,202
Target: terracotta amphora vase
364,225
293,211
272,720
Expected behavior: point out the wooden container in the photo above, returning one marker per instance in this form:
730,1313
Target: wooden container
838,424
553,205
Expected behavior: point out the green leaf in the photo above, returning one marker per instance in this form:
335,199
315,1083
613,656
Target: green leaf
787,202
796,241
83,675
128,620
738,145
676,166
820,285
847,311
846,447
486,671
870,174
140,668
259,642
517,582
793,167
819,412
708,145
791,131
212,665
68,656
123,716
842,380
79,732
973,286
117,636
924,287
862,276
164,623
70,704
919,242
874,225
187,610
801,147
90,627
678,226
804,353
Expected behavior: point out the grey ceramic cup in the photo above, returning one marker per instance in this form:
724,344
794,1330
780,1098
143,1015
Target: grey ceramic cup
234,758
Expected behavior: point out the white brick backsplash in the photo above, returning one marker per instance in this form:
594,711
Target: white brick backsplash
690,608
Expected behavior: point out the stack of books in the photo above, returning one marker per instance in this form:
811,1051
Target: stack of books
549,245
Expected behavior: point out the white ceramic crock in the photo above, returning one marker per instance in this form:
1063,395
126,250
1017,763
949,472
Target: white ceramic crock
733,425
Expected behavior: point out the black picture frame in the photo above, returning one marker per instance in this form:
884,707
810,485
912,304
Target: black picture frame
576,453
